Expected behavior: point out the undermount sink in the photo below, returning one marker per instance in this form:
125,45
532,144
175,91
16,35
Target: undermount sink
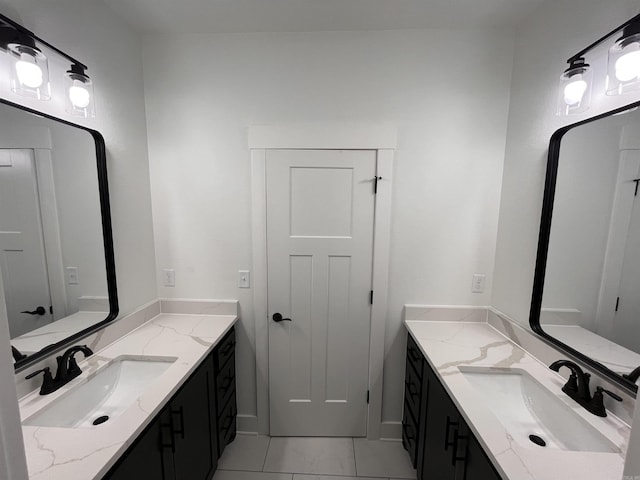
104,395
532,414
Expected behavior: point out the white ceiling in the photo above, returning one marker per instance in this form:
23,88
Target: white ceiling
218,16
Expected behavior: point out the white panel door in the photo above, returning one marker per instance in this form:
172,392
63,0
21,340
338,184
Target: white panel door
22,258
627,317
320,210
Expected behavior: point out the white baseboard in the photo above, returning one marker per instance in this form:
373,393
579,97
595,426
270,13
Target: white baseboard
247,424
391,431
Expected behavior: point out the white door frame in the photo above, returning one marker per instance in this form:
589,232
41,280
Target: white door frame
319,137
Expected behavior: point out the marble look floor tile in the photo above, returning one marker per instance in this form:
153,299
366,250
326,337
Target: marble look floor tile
323,456
382,458
238,475
298,476
246,452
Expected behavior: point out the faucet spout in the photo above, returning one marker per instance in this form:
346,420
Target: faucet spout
577,387
68,368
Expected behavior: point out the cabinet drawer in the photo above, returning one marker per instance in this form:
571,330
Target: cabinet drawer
414,356
225,384
227,424
412,387
225,349
410,435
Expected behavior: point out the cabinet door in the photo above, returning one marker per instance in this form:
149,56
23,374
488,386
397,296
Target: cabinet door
442,420
147,456
193,417
477,465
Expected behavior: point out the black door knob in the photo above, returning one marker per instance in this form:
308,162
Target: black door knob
38,311
277,317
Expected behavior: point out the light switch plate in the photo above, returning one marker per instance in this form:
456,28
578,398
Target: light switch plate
244,279
72,276
169,277
477,285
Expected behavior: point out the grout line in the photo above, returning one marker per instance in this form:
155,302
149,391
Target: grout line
266,453
355,462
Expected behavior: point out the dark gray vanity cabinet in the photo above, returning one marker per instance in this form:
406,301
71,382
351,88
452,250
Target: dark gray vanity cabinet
225,384
185,440
445,447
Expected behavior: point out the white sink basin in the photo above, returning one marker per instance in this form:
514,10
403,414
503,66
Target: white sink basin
525,407
107,393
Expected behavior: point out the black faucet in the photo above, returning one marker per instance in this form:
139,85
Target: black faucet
577,388
633,376
17,355
68,369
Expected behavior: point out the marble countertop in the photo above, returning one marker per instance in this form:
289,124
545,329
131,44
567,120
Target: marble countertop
57,331
610,354
449,345
88,453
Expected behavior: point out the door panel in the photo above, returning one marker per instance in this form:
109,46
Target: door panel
22,258
320,206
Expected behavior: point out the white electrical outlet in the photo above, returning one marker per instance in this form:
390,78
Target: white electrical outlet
169,277
72,276
477,285
244,279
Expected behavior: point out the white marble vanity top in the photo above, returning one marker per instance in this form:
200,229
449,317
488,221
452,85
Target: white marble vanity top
88,453
449,345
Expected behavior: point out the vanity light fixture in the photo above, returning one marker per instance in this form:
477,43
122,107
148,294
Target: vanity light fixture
79,92
623,74
575,88
624,62
29,70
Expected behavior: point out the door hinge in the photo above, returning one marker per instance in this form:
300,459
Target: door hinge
371,297
367,397
376,179
617,303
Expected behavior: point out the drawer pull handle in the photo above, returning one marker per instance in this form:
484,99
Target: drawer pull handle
172,442
228,349
226,383
180,413
450,424
411,388
414,356
454,456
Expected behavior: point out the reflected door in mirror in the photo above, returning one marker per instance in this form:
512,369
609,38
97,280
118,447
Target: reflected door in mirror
22,261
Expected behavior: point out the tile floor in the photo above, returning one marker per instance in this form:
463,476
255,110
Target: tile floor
252,457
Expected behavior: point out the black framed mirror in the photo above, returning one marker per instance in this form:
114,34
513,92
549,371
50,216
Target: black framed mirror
587,276
56,246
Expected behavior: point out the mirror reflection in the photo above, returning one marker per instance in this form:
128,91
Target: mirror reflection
52,260
591,298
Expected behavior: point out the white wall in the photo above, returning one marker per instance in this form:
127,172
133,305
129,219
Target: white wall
556,31
445,91
94,35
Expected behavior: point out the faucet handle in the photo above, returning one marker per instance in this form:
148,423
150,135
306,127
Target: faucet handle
47,381
597,402
608,392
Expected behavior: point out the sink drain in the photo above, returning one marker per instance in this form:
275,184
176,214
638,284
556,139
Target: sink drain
101,419
538,440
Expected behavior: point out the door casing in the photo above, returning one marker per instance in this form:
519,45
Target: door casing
319,137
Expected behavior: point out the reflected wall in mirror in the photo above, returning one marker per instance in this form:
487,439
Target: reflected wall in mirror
591,296
56,258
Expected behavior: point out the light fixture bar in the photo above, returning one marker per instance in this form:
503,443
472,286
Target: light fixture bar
7,22
582,53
